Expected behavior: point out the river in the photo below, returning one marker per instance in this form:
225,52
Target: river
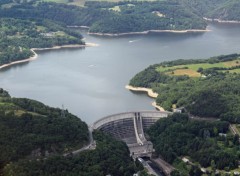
90,81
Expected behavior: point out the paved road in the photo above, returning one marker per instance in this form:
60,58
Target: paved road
90,146
166,167
202,118
147,166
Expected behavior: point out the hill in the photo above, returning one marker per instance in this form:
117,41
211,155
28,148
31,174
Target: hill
228,11
224,10
205,88
102,17
109,157
30,129
34,138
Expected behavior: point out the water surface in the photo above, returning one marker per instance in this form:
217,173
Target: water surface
90,81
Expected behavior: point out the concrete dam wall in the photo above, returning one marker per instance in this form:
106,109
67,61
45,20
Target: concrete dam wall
129,127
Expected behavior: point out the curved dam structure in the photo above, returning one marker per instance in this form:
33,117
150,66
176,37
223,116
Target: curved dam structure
129,127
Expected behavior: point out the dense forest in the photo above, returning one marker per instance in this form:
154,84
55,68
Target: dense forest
205,88
200,141
104,18
31,129
111,157
126,16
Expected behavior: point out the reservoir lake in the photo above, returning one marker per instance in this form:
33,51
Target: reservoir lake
90,82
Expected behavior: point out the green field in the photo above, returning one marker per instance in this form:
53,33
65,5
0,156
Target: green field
191,69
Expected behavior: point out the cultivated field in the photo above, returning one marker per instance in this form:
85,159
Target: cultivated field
191,69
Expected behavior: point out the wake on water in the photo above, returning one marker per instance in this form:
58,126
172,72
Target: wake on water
132,41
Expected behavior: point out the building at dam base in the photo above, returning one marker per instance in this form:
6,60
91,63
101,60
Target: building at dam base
129,127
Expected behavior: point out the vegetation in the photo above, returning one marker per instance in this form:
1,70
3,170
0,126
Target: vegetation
228,11
34,138
18,36
213,93
110,157
217,9
142,16
31,129
199,141
100,16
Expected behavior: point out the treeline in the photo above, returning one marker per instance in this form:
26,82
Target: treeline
30,129
111,157
212,60
100,17
178,136
214,95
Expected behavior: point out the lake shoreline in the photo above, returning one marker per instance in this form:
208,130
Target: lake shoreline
35,55
140,32
221,21
66,46
83,27
149,31
149,92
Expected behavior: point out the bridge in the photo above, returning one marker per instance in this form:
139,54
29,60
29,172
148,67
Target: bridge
129,127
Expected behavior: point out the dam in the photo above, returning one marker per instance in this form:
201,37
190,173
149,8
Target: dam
130,127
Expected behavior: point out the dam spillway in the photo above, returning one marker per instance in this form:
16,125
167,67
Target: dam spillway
130,127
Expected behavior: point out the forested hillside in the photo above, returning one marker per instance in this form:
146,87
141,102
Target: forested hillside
228,11
107,17
34,138
204,143
110,157
205,88
225,10
30,129
18,36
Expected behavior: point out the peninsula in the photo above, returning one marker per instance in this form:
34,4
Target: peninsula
195,85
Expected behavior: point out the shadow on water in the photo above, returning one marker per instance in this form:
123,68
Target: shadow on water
15,66
41,52
139,93
47,51
179,36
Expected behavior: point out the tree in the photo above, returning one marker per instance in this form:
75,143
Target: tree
213,166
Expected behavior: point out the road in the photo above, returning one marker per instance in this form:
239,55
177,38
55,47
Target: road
233,129
166,167
147,166
202,118
90,146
